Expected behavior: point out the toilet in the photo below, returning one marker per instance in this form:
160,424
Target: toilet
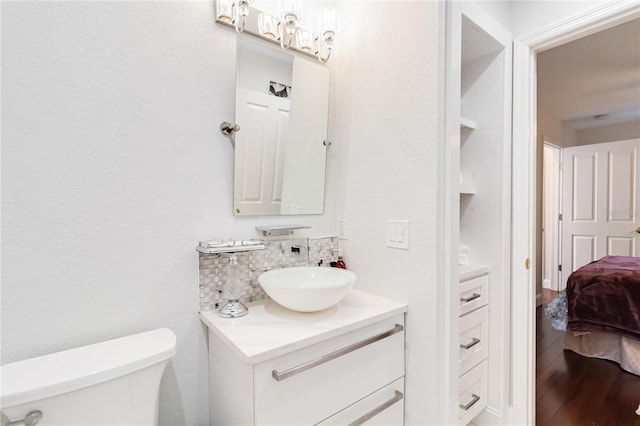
110,383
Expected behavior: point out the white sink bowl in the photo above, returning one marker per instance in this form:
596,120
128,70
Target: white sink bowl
307,288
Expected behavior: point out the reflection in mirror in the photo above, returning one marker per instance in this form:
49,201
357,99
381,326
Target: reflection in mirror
281,108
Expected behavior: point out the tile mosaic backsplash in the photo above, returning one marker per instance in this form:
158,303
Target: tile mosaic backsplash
279,254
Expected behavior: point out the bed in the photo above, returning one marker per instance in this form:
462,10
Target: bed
603,311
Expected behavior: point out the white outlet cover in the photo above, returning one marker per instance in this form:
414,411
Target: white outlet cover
342,229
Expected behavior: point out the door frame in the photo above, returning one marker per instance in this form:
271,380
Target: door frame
523,293
553,202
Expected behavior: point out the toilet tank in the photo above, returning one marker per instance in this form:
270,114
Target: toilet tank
110,383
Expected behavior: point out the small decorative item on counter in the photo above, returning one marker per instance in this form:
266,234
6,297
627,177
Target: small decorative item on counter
340,263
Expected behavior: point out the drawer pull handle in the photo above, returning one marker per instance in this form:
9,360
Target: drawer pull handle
474,296
379,409
474,342
278,376
474,398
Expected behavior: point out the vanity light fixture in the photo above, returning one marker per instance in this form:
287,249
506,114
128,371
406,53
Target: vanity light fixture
234,12
286,29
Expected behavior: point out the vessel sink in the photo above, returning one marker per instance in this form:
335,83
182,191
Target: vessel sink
307,288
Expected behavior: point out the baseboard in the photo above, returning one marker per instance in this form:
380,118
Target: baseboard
489,417
538,299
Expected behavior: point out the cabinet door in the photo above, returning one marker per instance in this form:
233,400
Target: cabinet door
384,407
312,384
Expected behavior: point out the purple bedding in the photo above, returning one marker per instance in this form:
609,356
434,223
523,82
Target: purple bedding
604,295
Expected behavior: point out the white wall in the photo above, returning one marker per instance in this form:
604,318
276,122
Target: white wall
532,15
113,168
611,133
387,114
549,128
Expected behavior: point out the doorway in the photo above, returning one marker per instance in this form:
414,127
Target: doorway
524,188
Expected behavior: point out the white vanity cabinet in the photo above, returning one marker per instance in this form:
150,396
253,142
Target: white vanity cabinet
344,365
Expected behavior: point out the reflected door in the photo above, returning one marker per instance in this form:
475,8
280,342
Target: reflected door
260,152
601,188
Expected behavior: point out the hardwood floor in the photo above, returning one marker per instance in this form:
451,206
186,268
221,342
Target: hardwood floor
572,390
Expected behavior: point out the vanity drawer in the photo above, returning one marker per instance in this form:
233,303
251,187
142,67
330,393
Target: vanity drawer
312,384
474,293
384,407
472,393
473,337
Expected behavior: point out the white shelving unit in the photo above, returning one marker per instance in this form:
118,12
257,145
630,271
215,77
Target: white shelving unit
478,108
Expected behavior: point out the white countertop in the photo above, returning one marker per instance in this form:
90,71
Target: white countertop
468,272
269,330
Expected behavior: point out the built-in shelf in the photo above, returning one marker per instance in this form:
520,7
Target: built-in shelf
467,124
466,189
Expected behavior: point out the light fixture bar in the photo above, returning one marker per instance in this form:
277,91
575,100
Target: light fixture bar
251,28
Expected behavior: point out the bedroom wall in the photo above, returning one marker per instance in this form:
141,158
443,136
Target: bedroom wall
614,132
549,127
113,168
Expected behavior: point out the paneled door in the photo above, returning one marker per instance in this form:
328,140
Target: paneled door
259,151
601,192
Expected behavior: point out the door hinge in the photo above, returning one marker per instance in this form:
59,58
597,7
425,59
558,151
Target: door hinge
560,216
560,268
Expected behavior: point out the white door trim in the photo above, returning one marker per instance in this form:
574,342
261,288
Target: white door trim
526,47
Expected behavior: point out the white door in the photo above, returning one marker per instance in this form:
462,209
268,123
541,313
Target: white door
260,149
601,187
551,197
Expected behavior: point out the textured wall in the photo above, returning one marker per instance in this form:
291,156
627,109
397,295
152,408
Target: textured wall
113,168
386,104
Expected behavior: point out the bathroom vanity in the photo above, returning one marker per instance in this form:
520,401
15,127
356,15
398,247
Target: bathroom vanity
342,365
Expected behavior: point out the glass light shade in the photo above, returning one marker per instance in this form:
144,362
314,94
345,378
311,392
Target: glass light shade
224,10
268,26
328,22
290,9
328,26
243,7
305,40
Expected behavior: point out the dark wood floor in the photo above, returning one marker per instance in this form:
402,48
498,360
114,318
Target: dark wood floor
572,390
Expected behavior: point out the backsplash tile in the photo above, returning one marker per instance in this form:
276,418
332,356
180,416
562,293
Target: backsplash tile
213,267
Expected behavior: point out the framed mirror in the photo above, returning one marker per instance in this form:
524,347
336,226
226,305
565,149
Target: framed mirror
282,105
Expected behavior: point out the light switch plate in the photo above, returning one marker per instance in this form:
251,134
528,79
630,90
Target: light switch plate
398,234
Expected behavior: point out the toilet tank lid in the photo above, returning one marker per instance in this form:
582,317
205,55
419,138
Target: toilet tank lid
60,372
